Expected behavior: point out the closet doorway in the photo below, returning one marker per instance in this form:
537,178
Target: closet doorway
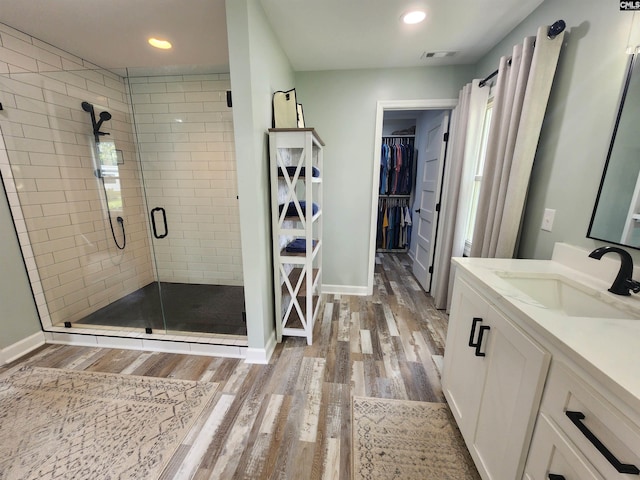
421,126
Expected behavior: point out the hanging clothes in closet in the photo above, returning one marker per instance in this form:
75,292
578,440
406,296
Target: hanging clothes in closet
396,166
394,224
396,185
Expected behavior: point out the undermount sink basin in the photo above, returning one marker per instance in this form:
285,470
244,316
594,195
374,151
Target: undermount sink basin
566,296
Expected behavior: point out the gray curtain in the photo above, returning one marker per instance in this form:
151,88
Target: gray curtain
451,185
522,93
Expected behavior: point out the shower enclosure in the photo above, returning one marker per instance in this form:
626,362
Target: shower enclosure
124,194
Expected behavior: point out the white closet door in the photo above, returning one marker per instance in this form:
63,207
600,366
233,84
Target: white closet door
428,191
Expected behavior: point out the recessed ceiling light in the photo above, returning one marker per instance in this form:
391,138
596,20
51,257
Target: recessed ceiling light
158,43
415,16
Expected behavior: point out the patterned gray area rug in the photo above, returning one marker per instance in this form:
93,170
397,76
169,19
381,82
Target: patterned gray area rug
66,424
401,439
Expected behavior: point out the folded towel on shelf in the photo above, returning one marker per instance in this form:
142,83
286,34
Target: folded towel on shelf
291,171
291,208
299,245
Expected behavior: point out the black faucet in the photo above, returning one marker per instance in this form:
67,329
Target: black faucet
624,281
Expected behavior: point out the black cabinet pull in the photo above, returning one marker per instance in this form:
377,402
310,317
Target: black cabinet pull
477,345
483,329
576,418
553,476
153,222
475,322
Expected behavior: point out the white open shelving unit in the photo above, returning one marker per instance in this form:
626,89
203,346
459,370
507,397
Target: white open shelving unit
296,214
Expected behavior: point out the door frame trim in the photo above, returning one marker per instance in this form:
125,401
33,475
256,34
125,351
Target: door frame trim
381,107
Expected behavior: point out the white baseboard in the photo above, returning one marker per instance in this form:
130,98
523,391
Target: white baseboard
346,290
20,348
261,355
147,344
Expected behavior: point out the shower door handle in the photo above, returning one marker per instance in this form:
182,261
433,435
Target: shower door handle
153,222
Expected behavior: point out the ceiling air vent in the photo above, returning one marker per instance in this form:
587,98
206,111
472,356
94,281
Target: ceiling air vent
426,55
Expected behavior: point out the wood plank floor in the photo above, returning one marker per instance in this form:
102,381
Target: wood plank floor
291,419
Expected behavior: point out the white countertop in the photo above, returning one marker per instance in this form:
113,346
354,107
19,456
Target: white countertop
608,349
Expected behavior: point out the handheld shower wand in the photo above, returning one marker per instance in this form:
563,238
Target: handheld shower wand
104,116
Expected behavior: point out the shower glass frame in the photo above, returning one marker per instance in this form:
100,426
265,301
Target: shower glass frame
54,177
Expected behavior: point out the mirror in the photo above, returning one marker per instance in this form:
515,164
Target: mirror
616,214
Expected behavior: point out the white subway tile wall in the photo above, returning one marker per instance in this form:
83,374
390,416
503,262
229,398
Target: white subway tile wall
48,169
185,136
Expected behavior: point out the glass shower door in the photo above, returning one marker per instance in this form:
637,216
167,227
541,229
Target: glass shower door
140,307
184,135
194,267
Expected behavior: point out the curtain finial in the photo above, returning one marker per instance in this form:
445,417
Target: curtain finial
556,29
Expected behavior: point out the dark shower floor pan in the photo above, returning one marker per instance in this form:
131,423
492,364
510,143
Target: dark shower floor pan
187,307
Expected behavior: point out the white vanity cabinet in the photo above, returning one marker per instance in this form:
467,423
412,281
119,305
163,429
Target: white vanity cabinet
553,457
599,442
543,393
464,372
493,378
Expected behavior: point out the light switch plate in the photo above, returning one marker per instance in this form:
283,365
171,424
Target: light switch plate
547,219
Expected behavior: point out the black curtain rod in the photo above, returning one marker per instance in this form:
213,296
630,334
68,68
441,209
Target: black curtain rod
554,30
484,81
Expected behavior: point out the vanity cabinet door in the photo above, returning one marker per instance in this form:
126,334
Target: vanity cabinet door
464,370
493,379
516,371
552,456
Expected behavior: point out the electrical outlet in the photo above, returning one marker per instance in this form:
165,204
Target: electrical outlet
547,219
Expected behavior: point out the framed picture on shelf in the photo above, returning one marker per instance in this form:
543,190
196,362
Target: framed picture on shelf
285,112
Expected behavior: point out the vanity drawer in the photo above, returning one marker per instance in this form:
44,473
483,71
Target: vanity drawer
606,438
552,456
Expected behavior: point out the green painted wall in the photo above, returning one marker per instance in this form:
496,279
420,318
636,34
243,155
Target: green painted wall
18,315
341,106
258,68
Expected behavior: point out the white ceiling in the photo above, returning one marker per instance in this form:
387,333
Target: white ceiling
315,34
